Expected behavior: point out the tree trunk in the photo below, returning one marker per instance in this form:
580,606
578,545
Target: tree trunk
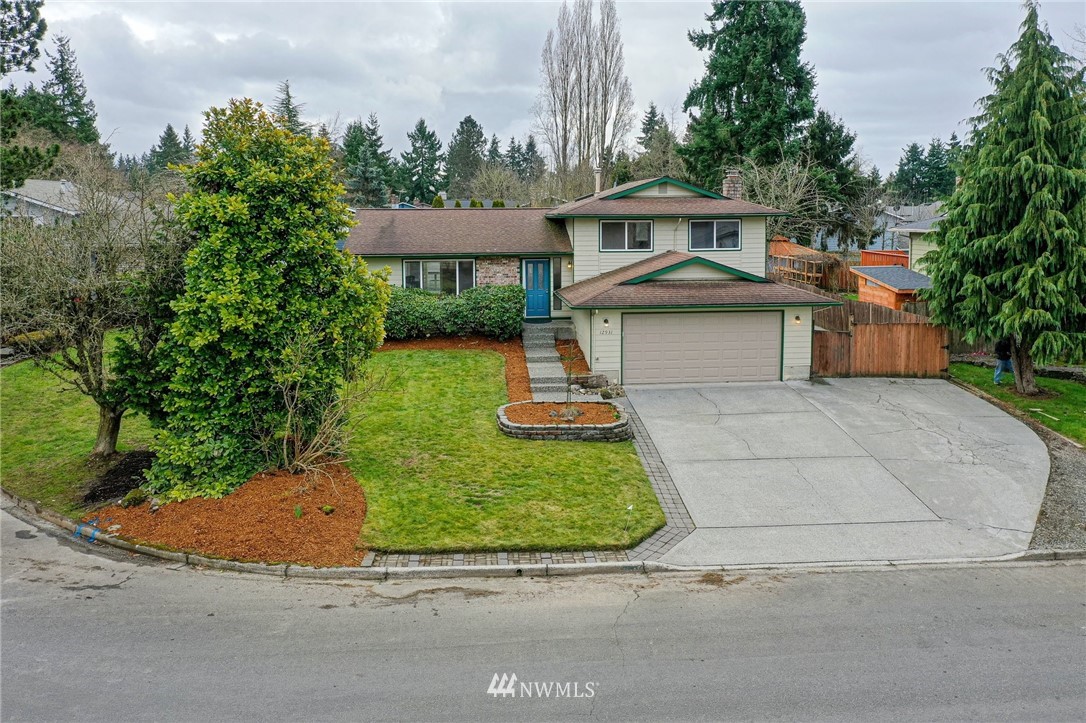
109,428
1024,380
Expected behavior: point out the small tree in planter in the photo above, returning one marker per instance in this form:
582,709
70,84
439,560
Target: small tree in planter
569,412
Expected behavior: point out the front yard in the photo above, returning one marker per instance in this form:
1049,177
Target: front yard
439,476
436,472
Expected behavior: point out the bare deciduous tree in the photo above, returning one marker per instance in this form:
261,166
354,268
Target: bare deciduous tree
585,107
66,285
496,180
789,186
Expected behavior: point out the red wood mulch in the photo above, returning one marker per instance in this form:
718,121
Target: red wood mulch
540,413
517,383
257,522
580,364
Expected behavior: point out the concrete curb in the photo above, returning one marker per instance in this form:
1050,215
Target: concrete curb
95,535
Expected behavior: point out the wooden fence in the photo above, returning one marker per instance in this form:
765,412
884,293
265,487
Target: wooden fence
865,340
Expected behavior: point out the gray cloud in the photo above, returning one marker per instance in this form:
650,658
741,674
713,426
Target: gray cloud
894,72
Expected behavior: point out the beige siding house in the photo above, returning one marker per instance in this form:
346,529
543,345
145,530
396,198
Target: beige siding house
664,282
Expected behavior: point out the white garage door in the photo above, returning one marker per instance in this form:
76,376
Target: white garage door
725,346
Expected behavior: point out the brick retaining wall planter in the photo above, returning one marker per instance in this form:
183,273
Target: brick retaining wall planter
617,431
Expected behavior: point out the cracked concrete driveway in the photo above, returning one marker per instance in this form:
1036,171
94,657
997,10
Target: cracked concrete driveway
844,469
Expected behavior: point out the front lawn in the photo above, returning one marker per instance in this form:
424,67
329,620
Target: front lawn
1064,413
440,477
46,434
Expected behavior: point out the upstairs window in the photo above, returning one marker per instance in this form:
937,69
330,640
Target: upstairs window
626,235
715,235
439,276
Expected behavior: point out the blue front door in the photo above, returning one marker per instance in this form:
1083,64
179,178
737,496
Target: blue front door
537,282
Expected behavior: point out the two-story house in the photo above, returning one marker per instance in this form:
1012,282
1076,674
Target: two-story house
664,282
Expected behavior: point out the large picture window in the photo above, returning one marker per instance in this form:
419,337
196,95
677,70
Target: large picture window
626,235
715,235
440,276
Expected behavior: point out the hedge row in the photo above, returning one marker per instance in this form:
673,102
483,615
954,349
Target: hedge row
492,311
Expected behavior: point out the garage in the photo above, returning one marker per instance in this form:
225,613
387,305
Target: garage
723,346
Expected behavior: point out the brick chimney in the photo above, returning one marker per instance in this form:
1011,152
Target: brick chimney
733,184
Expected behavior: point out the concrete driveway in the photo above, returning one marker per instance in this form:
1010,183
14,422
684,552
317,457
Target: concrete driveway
844,469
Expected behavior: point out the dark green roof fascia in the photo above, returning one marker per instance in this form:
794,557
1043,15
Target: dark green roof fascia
657,182
701,262
702,306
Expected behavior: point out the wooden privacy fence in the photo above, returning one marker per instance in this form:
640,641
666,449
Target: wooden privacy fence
866,340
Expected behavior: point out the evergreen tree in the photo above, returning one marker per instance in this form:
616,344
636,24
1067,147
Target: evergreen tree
465,155
514,157
660,158
954,153
938,175
75,114
458,204
1010,256
188,142
289,111
623,169
438,202
169,149
18,163
908,184
475,203
365,182
21,29
494,152
421,165
756,92
534,163
652,120
829,146
274,320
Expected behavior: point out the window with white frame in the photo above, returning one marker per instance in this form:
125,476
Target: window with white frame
626,235
722,235
440,276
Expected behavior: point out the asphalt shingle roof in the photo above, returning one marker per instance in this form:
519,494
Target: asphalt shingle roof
610,290
897,278
928,224
456,231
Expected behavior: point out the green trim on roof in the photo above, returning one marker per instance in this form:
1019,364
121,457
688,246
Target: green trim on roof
657,182
706,306
701,262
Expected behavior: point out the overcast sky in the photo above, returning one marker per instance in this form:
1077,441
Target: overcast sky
895,72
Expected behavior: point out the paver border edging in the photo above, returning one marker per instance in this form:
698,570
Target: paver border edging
617,431
92,534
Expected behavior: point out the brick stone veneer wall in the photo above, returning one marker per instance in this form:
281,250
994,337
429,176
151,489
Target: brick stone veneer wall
617,431
497,270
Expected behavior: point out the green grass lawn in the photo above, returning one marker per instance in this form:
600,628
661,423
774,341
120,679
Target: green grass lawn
851,296
1068,408
46,434
439,476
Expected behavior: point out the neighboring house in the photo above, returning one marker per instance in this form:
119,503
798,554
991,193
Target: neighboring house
889,286
45,202
915,232
664,282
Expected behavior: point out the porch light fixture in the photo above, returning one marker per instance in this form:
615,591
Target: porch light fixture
606,322
798,320
569,264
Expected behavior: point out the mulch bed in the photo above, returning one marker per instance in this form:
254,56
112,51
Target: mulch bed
517,382
257,522
580,364
540,413
123,475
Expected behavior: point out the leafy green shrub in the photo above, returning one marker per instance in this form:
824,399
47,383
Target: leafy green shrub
492,311
458,204
475,203
274,320
498,204
438,202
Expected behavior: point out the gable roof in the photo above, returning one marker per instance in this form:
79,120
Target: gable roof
58,195
639,285
897,278
618,202
925,226
456,232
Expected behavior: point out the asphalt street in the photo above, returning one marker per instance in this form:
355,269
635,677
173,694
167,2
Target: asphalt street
93,637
